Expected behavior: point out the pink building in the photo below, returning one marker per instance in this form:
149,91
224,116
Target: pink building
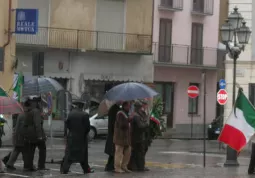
185,40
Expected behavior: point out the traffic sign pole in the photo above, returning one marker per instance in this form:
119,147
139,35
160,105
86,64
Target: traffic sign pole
193,92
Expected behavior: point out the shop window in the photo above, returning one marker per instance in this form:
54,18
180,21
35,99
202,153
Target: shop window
193,102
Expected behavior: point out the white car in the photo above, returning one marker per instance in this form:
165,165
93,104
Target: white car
99,126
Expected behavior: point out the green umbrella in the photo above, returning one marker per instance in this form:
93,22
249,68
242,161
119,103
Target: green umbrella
2,92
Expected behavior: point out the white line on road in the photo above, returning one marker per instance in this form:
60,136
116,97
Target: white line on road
10,149
17,175
196,154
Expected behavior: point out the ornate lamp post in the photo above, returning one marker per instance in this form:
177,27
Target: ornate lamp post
234,29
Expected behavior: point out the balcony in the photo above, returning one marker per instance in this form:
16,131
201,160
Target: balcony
171,5
84,40
182,55
203,7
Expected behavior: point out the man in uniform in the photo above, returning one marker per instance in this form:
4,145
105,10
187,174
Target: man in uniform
2,122
78,126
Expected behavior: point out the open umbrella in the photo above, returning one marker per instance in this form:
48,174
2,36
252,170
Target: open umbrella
9,106
104,107
40,85
130,91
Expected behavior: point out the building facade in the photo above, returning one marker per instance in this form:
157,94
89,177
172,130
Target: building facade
7,51
7,43
185,41
89,46
245,64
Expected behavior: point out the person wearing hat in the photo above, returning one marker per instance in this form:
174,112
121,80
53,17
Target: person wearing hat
33,132
139,125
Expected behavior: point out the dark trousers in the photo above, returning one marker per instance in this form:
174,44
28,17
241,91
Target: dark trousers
110,164
29,152
251,168
14,155
67,162
6,158
137,160
41,145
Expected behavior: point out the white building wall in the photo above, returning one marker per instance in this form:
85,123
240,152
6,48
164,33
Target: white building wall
245,64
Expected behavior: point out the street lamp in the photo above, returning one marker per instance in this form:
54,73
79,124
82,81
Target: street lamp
234,29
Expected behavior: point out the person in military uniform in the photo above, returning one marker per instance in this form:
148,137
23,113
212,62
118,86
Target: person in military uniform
109,145
78,126
251,168
139,125
32,132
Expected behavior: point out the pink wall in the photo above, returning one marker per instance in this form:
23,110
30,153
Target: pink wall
182,20
182,77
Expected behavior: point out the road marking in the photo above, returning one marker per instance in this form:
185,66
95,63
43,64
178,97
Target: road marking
56,148
17,175
196,154
70,171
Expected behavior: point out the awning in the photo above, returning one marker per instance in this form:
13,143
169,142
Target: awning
117,68
50,75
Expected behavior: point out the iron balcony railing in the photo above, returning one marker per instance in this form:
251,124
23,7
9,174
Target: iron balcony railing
203,7
173,5
185,55
85,40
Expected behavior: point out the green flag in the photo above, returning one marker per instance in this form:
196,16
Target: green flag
2,92
18,86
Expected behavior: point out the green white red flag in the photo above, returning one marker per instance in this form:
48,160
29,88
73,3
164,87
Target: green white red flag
239,128
155,118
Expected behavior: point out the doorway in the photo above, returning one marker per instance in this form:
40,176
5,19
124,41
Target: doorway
166,91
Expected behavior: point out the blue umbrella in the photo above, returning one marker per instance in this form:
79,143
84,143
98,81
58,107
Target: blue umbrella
130,91
40,85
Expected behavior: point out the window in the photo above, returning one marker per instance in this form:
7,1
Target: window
165,40
198,5
38,63
193,102
165,91
167,3
252,93
197,44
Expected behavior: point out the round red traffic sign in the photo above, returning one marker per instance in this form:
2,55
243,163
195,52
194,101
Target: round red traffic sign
222,97
193,91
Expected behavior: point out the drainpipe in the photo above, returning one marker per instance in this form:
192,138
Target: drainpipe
9,24
152,25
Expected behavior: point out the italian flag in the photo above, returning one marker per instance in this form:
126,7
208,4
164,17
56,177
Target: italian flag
154,118
239,128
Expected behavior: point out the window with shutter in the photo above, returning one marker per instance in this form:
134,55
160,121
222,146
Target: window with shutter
197,44
38,63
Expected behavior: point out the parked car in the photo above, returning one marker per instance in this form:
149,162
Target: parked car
214,128
99,126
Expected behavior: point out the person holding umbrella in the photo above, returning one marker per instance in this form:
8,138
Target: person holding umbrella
109,145
121,139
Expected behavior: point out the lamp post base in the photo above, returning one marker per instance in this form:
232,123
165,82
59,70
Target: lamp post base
231,158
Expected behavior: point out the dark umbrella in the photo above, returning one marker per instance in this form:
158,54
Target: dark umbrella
9,106
40,85
130,91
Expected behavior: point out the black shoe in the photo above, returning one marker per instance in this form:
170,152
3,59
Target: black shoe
251,173
109,169
89,171
12,168
2,172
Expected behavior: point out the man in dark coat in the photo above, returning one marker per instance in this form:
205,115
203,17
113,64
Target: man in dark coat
32,132
18,142
138,129
78,126
109,145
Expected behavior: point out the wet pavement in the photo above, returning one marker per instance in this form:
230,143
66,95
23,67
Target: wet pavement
166,158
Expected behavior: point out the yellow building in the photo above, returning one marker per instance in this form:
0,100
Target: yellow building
89,45
7,42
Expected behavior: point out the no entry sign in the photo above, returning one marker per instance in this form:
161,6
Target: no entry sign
222,97
193,91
